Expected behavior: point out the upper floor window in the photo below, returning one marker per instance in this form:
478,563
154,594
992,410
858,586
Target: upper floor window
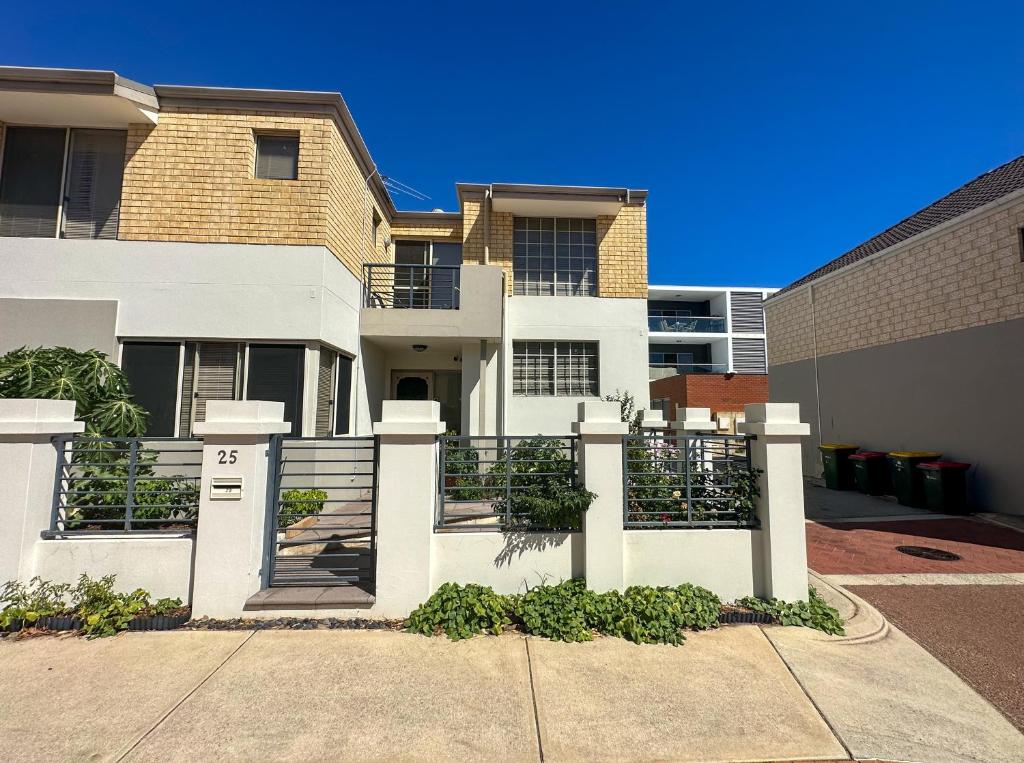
277,157
554,256
56,181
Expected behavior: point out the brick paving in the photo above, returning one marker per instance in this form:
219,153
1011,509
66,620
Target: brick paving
977,631
850,548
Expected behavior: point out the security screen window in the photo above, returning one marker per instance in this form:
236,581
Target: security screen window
548,369
37,159
277,157
152,371
275,373
554,256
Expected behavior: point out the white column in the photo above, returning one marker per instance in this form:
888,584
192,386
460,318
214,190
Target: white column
231,542
693,420
600,453
406,502
780,508
28,467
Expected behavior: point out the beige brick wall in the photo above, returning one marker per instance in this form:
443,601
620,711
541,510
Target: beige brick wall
968,275
622,253
191,178
435,230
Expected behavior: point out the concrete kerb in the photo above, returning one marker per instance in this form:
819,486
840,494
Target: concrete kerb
862,622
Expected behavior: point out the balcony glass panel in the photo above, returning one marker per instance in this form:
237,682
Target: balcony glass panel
689,324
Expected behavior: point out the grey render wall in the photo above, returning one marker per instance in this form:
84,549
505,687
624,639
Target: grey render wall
957,392
81,324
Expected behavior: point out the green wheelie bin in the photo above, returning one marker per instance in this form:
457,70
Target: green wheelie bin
835,457
871,472
945,486
907,480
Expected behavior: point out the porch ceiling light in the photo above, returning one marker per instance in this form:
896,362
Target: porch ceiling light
419,347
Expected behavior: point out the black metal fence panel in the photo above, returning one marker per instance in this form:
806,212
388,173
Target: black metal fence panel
116,485
416,287
683,481
487,483
322,511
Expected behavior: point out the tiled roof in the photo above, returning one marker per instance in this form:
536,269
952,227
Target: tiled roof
982,190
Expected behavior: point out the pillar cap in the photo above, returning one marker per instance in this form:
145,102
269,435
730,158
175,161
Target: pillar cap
694,420
31,416
652,419
781,419
410,417
599,417
243,417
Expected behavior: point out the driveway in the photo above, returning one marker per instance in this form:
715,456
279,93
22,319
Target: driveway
966,609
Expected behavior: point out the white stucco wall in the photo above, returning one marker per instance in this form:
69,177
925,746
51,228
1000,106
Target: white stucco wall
162,566
727,562
508,563
619,326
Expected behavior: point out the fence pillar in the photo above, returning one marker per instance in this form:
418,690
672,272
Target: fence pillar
651,421
694,420
780,507
406,501
231,533
601,471
28,467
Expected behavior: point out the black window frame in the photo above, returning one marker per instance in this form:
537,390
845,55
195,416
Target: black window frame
280,138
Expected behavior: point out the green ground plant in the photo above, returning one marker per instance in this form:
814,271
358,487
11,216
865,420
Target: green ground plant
813,613
461,612
296,505
29,603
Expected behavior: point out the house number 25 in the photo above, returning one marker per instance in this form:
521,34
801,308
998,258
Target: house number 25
227,456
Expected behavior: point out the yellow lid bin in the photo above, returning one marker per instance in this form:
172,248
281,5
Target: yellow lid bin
915,454
837,446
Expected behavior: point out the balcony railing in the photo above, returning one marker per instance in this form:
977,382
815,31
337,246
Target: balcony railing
417,287
691,324
661,370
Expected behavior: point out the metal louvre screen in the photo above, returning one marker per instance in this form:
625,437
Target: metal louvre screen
676,481
94,174
748,356
747,312
324,392
323,520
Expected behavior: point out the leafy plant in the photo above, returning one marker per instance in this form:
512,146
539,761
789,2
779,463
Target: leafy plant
297,505
463,460
813,613
30,602
563,612
543,492
461,612
627,409
105,612
160,607
99,388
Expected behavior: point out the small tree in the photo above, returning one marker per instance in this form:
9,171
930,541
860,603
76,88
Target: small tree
99,388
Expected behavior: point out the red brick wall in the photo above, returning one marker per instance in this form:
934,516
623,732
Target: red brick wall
719,392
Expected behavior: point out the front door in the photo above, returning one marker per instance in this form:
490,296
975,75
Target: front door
412,385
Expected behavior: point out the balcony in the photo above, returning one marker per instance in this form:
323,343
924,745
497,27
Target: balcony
414,302
411,287
689,324
661,370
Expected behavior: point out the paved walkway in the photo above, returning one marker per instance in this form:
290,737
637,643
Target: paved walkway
741,693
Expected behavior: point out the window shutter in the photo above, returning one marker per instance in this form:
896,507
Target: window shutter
747,312
93,197
748,356
218,375
324,388
33,161
187,376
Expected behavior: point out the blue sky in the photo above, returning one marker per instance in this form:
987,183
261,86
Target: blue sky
772,136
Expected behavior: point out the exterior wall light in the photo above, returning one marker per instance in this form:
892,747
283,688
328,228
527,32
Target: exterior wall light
419,347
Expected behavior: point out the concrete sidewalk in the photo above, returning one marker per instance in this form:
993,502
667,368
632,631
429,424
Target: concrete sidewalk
737,693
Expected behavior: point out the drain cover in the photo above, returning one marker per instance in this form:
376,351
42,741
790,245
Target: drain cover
935,554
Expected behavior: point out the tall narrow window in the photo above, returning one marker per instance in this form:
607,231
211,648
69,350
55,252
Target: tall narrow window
212,372
343,396
275,373
33,164
554,256
92,200
152,371
277,157
325,392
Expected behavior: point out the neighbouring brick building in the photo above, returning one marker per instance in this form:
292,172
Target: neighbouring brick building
227,243
914,339
725,394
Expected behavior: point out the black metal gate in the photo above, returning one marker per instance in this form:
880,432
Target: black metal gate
322,512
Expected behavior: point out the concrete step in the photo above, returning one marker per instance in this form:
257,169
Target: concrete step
310,597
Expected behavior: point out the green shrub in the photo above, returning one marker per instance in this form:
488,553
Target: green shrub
30,602
296,505
570,612
813,613
104,611
462,612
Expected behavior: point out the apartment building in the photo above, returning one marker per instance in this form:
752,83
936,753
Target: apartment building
913,339
229,243
707,348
